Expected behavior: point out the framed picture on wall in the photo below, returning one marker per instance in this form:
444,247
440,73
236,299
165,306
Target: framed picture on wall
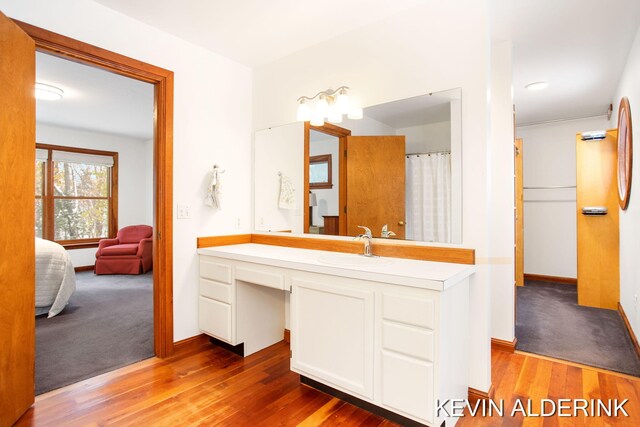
320,172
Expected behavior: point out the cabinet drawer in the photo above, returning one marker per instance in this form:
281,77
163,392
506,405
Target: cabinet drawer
409,310
215,290
407,386
214,318
261,275
210,269
408,340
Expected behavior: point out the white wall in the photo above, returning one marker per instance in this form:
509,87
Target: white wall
278,150
133,174
451,51
427,138
327,197
549,159
629,225
501,164
212,124
148,158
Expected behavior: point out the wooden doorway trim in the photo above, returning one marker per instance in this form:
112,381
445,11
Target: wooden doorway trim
341,134
519,214
84,53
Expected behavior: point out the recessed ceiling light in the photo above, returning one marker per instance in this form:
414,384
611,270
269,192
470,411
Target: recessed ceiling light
537,86
48,92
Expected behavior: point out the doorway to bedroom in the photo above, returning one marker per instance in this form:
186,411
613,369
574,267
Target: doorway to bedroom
94,220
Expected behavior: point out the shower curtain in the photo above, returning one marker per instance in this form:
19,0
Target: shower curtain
428,197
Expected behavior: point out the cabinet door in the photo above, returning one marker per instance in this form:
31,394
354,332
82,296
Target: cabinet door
214,318
332,334
407,386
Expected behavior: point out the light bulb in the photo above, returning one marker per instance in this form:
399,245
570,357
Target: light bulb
355,114
342,102
322,107
304,112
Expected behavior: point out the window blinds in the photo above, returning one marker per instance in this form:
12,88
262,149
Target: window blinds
42,155
87,159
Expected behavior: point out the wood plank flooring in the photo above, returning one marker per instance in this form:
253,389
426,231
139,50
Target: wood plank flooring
206,385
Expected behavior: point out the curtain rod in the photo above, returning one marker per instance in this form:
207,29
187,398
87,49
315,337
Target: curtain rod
429,153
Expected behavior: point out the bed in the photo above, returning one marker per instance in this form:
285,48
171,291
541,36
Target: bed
55,278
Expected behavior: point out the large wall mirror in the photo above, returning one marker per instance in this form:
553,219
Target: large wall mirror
399,166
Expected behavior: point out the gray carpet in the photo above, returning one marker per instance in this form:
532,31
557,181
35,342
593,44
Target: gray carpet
551,323
107,324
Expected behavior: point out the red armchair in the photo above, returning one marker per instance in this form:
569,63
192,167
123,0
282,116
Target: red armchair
129,253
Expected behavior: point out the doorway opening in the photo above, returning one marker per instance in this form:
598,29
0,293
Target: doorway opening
567,282
94,207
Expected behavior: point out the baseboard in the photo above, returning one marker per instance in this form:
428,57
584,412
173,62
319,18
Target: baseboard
287,335
634,339
367,406
553,279
476,395
237,349
187,341
84,268
504,345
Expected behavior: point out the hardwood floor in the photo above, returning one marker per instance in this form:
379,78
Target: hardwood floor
206,385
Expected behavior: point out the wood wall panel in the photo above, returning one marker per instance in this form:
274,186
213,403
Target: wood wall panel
382,247
598,236
232,239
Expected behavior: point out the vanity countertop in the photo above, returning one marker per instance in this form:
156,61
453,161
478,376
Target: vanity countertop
407,272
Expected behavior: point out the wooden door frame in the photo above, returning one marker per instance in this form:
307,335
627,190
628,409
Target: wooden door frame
84,53
341,134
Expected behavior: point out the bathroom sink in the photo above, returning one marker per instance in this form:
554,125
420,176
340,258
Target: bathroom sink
352,260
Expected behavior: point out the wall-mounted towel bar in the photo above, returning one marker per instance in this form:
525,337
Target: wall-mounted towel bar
549,187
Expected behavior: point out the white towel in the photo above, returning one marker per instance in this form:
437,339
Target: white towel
287,198
213,190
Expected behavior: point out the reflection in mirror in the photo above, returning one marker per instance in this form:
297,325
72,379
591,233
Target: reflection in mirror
400,166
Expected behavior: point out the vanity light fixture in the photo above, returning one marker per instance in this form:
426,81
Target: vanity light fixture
537,86
47,92
330,105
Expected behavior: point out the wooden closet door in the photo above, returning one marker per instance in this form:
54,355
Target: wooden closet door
17,223
598,236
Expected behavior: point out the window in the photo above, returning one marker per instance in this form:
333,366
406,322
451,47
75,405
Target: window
76,195
320,171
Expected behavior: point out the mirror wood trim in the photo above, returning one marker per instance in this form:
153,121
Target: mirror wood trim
625,153
341,134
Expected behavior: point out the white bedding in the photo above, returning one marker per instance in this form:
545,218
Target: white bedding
55,277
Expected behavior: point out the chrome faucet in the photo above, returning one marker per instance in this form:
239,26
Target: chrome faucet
366,236
386,233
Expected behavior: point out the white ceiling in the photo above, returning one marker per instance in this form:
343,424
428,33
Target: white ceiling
578,46
255,32
94,99
416,111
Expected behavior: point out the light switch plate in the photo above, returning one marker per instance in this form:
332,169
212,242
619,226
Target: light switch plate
184,212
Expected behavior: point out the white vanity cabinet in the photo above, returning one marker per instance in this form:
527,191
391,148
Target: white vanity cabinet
241,303
400,348
392,334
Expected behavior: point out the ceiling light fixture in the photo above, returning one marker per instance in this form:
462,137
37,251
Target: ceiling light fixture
330,105
48,92
537,86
